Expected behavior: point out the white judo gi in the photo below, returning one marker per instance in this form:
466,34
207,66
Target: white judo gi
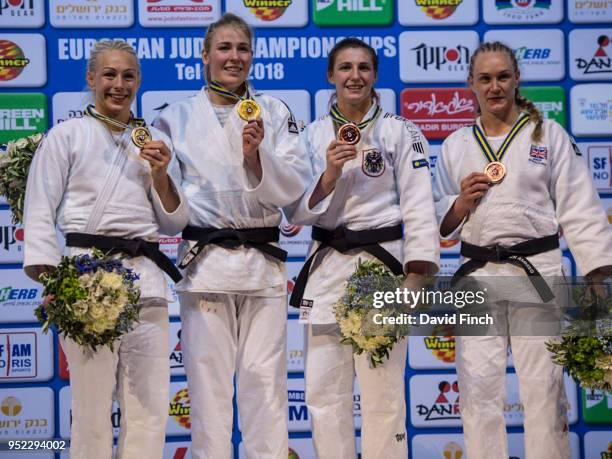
547,186
365,197
77,161
233,301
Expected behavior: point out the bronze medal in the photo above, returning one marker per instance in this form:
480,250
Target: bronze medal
248,110
496,171
349,133
141,136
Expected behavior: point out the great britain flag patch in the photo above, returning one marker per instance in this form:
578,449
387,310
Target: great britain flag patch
538,155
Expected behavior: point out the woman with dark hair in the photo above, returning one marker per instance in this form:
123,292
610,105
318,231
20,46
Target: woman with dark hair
106,189
507,185
371,176
238,161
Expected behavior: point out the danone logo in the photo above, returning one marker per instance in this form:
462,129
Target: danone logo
600,62
12,60
353,12
438,9
267,10
446,404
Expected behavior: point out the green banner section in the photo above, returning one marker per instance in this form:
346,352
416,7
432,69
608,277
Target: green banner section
596,406
550,100
22,114
352,12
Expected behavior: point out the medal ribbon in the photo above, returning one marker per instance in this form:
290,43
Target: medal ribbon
339,118
137,122
487,151
219,89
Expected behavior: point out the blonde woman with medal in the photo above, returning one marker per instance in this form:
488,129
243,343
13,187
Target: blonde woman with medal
505,186
102,181
239,161
371,178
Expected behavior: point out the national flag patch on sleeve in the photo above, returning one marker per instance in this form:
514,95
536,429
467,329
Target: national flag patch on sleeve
418,163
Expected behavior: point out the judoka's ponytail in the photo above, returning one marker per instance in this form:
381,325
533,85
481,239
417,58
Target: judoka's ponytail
228,19
535,116
109,45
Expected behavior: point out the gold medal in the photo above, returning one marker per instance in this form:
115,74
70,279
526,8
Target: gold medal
349,133
496,171
248,110
141,136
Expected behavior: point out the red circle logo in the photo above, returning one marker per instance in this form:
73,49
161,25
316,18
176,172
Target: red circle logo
12,59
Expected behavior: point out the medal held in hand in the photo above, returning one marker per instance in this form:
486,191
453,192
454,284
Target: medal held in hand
350,132
139,134
249,110
495,169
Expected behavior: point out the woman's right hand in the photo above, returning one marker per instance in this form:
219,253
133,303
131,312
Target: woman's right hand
473,188
338,153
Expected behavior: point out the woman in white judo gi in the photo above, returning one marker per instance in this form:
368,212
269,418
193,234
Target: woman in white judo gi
534,182
362,193
101,190
238,161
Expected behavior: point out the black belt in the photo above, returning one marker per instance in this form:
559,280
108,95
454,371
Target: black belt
343,239
230,238
480,256
132,247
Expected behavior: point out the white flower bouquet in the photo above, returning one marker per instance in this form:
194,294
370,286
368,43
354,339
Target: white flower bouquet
91,299
14,166
355,312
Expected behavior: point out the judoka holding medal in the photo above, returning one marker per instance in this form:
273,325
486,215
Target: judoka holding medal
506,185
371,175
238,162
102,180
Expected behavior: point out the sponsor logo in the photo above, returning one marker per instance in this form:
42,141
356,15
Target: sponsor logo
550,100
442,347
17,8
373,164
446,404
600,62
18,355
438,9
22,114
442,57
292,454
21,413
180,408
524,53
297,406
165,13
597,406
289,230
176,356
522,9
11,406
452,450
12,60
267,10
10,235
590,10
91,13
353,12
438,112
8,294
600,162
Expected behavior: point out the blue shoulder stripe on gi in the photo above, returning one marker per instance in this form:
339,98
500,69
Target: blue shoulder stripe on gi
417,163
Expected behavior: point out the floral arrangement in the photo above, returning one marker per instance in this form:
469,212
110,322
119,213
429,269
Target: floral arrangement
354,312
585,347
14,165
90,299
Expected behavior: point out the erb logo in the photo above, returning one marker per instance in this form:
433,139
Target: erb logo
18,355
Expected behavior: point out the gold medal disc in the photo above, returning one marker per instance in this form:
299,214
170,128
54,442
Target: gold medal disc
249,110
349,133
141,136
496,171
